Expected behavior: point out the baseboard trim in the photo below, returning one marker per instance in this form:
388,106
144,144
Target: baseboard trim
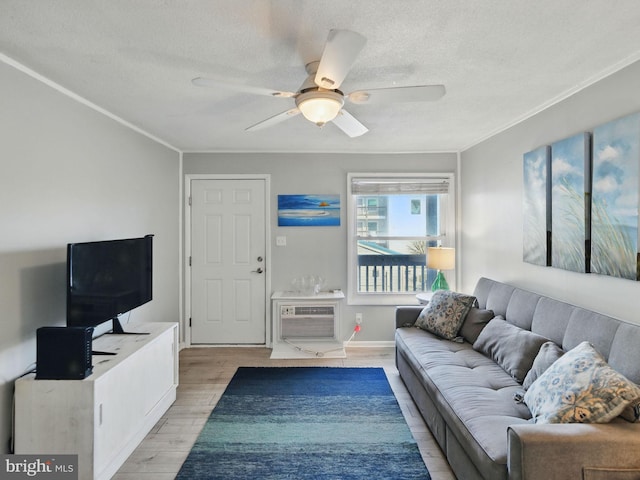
371,344
352,344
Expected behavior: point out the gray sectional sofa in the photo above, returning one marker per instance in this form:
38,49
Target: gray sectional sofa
470,404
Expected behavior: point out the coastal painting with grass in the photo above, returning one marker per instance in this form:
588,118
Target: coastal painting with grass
536,218
614,227
308,210
570,174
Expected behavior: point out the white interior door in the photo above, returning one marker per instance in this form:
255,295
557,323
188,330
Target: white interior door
228,243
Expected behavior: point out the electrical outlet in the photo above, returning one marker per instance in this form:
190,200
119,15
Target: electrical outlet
358,319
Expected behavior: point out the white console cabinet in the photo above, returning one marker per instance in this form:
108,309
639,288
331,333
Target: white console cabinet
104,417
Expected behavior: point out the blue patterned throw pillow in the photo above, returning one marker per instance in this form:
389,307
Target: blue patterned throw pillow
580,387
444,314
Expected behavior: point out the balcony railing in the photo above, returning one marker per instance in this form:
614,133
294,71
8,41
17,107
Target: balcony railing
394,273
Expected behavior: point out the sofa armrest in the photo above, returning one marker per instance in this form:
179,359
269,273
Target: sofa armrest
561,451
407,315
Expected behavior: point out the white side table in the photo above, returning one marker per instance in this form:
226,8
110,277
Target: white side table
424,297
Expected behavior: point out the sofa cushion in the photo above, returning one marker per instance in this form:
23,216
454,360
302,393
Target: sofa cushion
548,354
475,321
482,290
595,328
522,305
474,394
624,356
498,298
444,314
511,347
551,318
580,387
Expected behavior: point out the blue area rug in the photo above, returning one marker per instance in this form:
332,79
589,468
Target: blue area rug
306,423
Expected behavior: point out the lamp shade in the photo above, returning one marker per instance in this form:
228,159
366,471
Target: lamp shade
441,258
319,107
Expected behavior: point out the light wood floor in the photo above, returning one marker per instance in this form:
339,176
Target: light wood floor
204,375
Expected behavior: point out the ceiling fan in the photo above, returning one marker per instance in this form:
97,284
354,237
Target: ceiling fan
320,99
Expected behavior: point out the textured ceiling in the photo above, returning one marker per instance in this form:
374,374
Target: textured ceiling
499,60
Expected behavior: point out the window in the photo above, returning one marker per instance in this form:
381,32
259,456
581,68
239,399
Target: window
392,219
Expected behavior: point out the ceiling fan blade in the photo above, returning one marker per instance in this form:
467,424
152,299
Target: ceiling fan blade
349,125
238,87
280,117
420,93
340,51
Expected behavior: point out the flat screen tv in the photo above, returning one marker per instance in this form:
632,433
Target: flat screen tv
106,279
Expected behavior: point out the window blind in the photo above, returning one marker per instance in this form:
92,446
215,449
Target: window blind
399,186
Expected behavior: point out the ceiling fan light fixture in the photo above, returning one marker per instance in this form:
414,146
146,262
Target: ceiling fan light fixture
320,107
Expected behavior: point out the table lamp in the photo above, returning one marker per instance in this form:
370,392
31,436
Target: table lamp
441,258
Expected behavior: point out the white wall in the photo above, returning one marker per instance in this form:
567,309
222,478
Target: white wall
321,250
71,174
492,200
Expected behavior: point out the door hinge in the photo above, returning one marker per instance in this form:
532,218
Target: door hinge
189,200
189,321
189,260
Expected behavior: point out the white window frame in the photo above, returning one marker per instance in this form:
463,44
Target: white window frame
448,239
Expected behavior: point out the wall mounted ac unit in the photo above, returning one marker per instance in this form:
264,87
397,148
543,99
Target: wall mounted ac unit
317,322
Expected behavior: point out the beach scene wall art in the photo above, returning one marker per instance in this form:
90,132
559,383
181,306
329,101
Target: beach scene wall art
586,190
536,216
571,203
308,210
614,223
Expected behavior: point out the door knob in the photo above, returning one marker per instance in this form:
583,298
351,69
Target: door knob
259,270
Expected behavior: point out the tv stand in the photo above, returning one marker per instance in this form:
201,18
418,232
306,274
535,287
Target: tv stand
118,330
103,417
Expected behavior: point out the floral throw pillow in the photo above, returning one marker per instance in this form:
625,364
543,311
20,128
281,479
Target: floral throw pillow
444,314
580,387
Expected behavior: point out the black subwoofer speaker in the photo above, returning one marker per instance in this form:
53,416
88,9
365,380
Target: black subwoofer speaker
64,353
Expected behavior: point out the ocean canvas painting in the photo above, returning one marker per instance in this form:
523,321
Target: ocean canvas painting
614,209
536,220
570,185
308,210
